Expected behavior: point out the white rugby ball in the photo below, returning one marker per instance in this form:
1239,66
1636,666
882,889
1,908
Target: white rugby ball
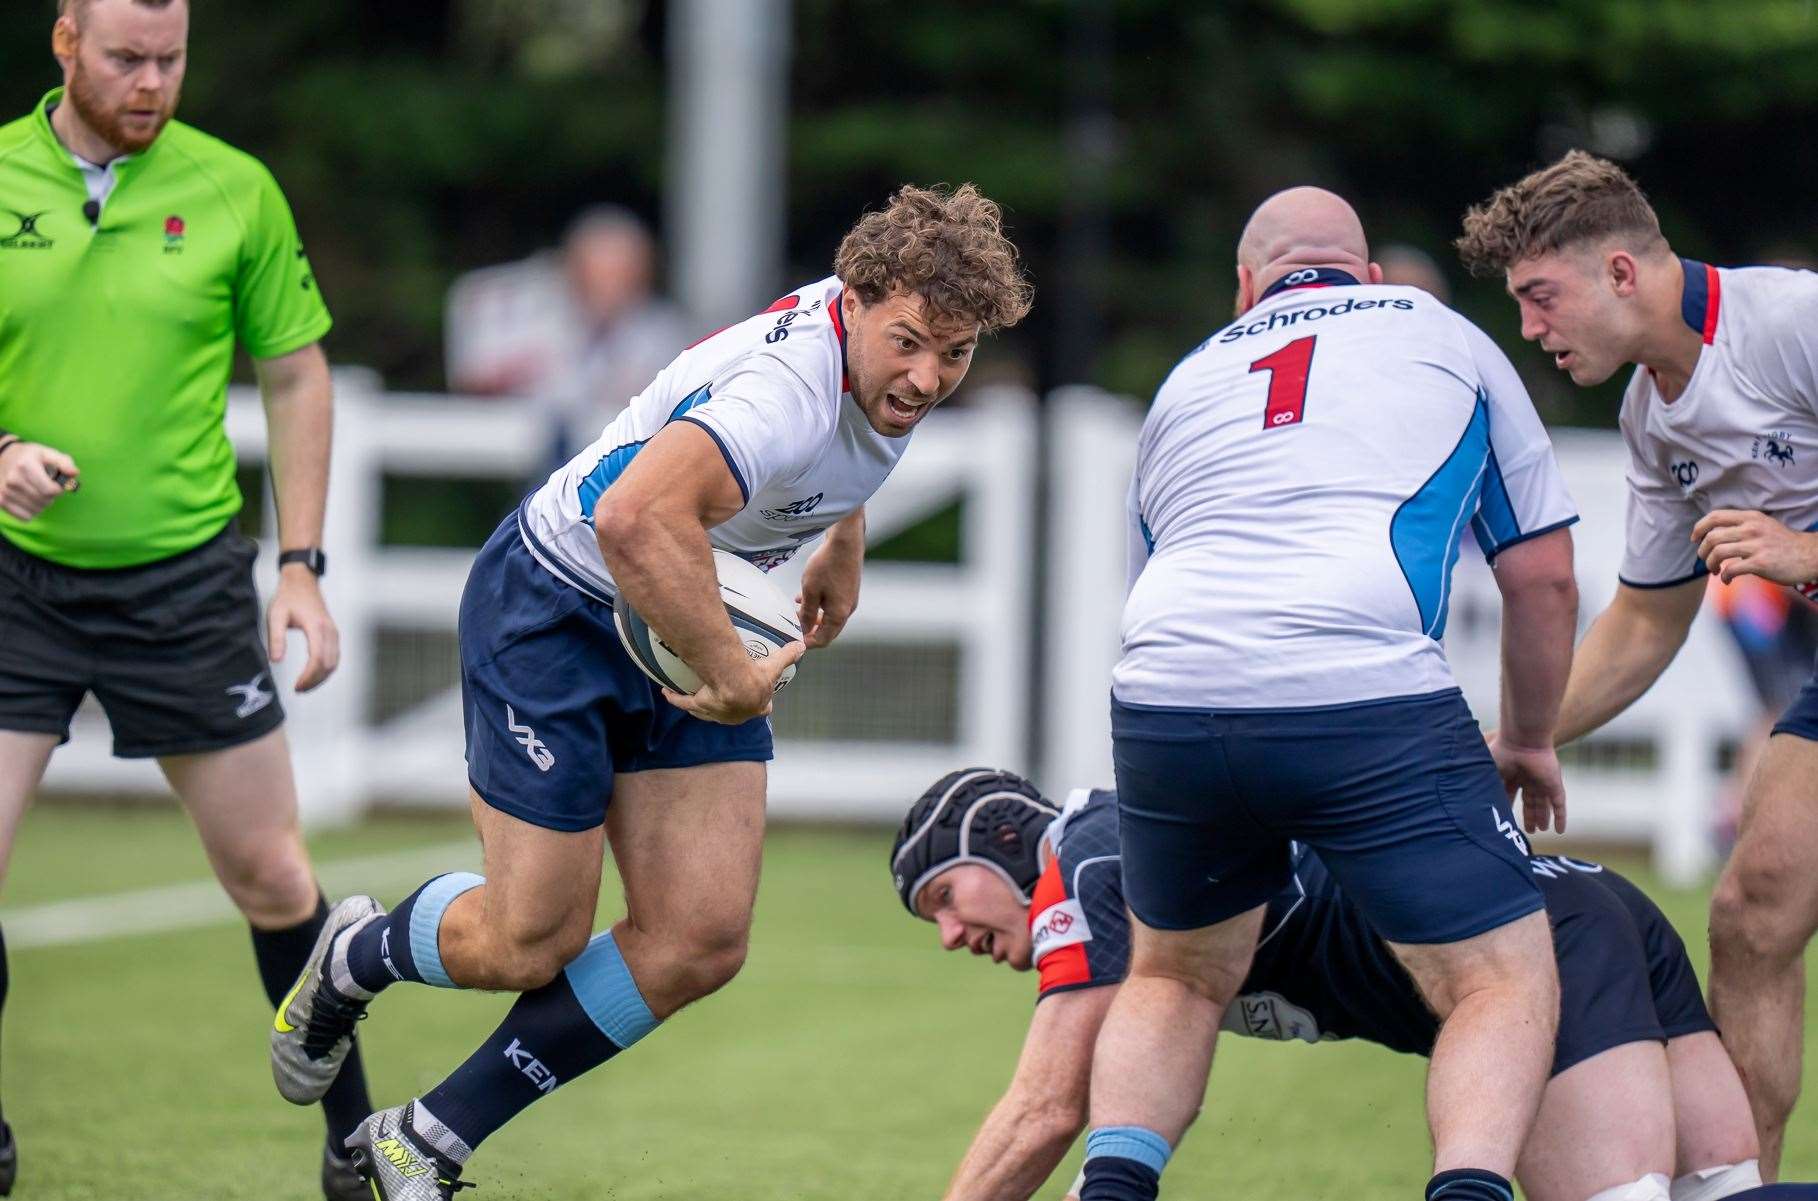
764,619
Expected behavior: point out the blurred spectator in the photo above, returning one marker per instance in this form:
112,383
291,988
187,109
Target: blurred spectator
581,331
1414,268
627,334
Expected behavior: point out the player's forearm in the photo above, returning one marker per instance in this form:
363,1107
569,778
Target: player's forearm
663,563
1537,630
1539,619
1019,1146
299,419
848,533
1621,656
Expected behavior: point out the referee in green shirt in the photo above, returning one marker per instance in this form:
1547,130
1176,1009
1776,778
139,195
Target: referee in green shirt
134,253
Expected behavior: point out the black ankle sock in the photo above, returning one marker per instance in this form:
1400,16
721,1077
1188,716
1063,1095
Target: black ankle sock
1469,1184
281,955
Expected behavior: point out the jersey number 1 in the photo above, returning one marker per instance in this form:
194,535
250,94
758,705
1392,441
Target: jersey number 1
1287,370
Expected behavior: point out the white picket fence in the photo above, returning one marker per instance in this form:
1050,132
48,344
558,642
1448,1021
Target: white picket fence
934,672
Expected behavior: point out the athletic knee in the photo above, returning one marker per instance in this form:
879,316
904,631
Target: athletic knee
1751,915
706,961
527,959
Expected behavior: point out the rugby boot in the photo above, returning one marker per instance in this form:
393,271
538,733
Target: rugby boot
313,1029
398,1167
9,1160
341,1181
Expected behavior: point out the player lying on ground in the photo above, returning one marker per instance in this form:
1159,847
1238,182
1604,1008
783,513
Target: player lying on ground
754,441
1641,1092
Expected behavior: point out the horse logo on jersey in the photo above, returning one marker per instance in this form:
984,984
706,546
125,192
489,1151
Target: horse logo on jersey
1775,448
795,509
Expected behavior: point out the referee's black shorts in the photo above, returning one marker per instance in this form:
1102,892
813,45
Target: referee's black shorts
172,649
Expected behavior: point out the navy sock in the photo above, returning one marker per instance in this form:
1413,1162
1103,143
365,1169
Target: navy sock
281,955
1124,1163
553,1034
1469,1184
403,944
1778,1192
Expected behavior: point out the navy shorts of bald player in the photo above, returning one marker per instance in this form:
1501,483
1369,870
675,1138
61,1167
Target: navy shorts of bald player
1400,798
554,707
1801,717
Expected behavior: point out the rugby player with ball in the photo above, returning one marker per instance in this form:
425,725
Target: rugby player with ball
754,442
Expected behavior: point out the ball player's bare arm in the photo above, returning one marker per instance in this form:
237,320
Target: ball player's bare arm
652,528
298,395
830,583
1043,1110
1540,615
1627,647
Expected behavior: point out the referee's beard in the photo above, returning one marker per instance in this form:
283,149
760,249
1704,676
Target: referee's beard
110,122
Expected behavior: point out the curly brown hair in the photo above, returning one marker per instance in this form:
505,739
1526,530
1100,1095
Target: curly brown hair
945,245
1580,198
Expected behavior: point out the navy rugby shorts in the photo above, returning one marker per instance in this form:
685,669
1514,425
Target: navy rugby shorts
1624,975
1400,798
554,708
1801,717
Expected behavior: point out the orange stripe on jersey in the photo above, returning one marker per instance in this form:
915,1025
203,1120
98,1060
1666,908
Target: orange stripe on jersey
1065,966
1051,889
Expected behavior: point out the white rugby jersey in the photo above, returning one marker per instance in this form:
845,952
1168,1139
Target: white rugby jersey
1303,482
1743,435
772,392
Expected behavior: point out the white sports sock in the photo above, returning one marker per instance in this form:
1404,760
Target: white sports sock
1726,1179
1652,1187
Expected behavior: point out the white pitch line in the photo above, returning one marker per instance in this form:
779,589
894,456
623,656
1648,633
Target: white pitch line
202,903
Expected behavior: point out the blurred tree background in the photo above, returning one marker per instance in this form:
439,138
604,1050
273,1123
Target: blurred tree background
1127,138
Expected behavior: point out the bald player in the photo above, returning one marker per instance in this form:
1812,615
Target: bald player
1302,486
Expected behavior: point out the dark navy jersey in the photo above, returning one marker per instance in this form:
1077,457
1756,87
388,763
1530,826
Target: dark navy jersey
1079,932
1321,972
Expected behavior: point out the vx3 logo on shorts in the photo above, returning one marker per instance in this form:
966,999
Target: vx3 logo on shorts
252,696
535,747
1508,830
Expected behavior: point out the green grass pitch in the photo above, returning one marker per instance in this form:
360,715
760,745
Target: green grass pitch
851,1059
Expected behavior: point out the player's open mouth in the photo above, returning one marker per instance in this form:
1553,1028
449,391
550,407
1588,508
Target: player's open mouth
901,409
1562,359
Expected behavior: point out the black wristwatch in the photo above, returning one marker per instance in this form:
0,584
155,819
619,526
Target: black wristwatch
310,556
